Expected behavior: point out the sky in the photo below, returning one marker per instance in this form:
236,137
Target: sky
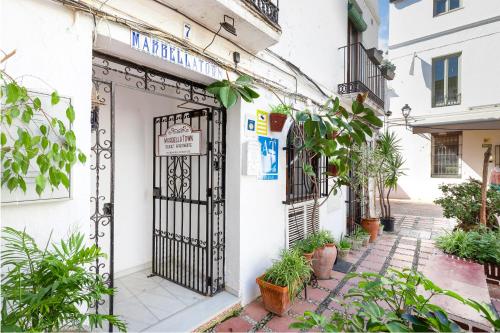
384,23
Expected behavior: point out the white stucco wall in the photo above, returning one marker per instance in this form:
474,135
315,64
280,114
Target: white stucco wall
478,71
64,65
56,45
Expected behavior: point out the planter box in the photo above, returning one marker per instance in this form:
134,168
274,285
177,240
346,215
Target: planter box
275,298
389,74
277,121
375,55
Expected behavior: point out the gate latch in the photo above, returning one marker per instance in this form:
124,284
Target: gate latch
107,209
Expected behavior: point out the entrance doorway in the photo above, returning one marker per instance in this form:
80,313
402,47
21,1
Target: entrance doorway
184,195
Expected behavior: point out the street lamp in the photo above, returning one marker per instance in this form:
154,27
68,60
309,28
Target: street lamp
406,110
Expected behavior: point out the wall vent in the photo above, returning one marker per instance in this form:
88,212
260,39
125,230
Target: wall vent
301,222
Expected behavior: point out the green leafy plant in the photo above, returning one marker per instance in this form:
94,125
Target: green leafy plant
227,92
31,135
400,302
463,202
481,245
314,241
45,289
289,271
389,168
387,65
305,246
281,109
344,244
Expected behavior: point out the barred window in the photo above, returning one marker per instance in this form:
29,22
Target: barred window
447,155
299,186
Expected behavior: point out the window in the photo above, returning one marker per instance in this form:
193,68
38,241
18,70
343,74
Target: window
443,6
298,185
446,81
446,155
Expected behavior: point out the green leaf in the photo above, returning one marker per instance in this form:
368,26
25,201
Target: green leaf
3,139
64,180
22,183
70,114
373,120
37,104
12,183
82,158
251,92
40,182
27,114
308,170
70,138
244,79
54,98
43,129
15,112
13,92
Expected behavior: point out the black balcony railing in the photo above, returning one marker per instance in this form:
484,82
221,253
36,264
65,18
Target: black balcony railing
451,99
361,74
268,8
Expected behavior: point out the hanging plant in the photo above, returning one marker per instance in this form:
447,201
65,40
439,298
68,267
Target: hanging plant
227,92
32,136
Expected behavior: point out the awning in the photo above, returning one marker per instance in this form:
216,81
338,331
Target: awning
475,118
356,16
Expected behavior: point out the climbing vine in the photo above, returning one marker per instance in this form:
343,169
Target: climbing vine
34,140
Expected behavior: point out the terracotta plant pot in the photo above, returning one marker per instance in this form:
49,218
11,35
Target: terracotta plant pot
309,257
275,298
371,226
332,170
277,121
323,260
343,253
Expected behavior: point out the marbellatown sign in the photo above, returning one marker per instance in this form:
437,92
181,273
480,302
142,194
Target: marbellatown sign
180,139
174,54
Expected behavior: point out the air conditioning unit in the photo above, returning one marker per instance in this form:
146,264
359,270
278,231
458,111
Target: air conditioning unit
301,221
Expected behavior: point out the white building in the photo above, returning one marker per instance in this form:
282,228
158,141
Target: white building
132,69
446,56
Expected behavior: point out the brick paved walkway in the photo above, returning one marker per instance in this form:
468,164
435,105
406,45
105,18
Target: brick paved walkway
410,246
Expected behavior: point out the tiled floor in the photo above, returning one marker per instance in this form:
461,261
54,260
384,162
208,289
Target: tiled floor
151,304
410,246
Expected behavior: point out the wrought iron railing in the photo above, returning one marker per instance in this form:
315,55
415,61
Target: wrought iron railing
450,99
361,74
268,8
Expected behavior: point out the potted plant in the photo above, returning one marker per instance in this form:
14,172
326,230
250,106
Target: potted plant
306,248
278,116
364,172
281,282
365,237
324,255
388,69
390,167
344,248
355,241
375,55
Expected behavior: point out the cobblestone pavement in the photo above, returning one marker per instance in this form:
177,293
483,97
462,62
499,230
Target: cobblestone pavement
410,246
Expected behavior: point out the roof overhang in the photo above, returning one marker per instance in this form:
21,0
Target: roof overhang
475,118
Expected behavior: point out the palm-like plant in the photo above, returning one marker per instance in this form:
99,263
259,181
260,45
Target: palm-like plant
51,289
389,169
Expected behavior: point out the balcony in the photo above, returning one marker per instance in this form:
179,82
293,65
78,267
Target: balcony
362,74
267,8
255,21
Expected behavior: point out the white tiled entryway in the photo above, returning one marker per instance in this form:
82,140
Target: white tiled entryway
153,304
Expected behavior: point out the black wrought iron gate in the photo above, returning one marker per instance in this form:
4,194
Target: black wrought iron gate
189,205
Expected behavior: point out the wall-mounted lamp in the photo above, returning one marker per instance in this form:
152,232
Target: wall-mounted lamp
388,113
406,110
229,27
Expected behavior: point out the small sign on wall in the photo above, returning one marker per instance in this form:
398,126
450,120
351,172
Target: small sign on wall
252,158
262,121
268,158
178,140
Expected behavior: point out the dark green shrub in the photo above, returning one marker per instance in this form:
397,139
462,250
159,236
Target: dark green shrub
481,245
463,202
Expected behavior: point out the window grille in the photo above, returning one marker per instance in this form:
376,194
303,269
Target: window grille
497,156
299,186
446,155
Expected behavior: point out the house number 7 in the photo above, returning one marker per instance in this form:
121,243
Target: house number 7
187,31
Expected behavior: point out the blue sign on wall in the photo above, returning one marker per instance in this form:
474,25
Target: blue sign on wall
268,158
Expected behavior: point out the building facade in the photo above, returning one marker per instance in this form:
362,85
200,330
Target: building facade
444,51
211,221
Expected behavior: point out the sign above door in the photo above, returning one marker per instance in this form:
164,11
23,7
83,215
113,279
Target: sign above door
178,140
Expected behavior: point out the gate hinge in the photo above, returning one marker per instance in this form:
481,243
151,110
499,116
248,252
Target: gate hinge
209,192
107,209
